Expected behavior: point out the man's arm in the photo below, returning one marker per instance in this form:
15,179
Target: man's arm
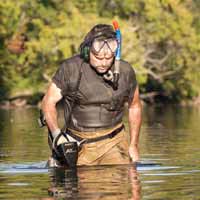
135,120
49,102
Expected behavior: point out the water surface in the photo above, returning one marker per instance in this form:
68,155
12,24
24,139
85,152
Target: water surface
169,167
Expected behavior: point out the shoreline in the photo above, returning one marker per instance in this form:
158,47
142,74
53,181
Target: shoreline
27,103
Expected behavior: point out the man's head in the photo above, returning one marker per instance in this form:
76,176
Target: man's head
99,47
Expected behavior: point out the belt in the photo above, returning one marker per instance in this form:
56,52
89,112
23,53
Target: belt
109,135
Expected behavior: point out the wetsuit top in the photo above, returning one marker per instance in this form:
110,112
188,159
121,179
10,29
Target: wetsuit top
90,102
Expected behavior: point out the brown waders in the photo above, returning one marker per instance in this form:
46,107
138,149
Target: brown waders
104,152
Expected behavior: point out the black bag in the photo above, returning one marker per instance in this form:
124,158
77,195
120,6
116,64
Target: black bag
67,152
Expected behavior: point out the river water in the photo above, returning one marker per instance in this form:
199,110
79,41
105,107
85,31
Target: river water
169,168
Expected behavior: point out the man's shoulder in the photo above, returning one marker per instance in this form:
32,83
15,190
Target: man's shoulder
125,66
72,61
69,68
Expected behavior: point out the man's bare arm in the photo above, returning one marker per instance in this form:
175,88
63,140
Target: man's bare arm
135,120
49,102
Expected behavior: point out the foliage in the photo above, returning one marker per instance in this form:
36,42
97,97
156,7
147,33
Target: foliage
160,39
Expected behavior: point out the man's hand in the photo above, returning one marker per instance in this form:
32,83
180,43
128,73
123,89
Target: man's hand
134,153
61,138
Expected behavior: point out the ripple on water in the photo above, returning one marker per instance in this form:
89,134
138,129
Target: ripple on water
23,168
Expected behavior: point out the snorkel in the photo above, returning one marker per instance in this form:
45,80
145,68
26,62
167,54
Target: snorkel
117,56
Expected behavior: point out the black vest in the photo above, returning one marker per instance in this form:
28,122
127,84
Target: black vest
89,101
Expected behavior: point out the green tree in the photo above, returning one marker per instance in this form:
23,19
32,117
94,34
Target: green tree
166,45
160,39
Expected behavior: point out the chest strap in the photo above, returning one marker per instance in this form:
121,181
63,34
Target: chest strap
91,140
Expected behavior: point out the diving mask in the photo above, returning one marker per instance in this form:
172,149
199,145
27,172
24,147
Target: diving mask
100,46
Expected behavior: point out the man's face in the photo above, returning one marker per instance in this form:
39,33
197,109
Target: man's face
102,54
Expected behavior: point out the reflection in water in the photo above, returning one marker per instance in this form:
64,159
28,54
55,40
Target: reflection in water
64,183
135,183
21,140
98,182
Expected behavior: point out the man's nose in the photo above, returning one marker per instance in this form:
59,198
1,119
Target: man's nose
104,62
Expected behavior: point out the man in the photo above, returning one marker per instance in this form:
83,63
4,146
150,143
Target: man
93,104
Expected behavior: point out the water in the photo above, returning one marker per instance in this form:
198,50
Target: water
169,167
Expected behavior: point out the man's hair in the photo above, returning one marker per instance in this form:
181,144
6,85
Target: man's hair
103,31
